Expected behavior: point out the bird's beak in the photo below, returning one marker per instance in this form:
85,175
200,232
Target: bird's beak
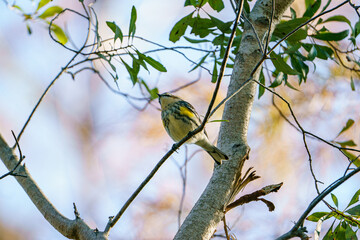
159,95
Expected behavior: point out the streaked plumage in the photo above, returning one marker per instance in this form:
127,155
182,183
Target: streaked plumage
179,118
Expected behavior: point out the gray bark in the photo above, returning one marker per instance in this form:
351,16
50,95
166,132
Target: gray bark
208,210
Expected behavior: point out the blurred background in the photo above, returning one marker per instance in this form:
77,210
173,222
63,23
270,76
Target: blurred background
90,146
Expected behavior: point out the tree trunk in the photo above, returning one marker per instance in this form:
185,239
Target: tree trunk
208,210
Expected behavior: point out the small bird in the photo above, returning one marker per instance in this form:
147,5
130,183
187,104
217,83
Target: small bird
179,118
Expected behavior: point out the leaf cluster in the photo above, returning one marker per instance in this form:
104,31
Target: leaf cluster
296,52
138,60
345,224
43,13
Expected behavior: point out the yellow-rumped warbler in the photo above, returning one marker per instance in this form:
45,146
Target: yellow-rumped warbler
180,118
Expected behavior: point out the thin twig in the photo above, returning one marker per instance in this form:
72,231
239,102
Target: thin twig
270,23
225,228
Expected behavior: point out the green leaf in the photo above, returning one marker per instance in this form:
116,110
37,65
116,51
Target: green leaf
354,211
141,59
308,3
354,199
102,56
155,64
352,158
350,234
316,216
348,125
136,66
179,28
51,11
17,7
195,3
153,92
339,232
112,65
324,52
335,200
281,65
262,81
28,29
352,84
223,27
96,30
220,120
214,73
219,40
284,27
299,65
293,13
311,9
330,36
277,81
349,143
326,5
247,6
338,18
132,73
312,53
190,40
115,77
357,29
115,28
41,4
132,26
200,62
190,3
329,234
59,33
202,26
287,83
217,5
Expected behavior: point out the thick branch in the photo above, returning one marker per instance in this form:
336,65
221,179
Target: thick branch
72,229
208,211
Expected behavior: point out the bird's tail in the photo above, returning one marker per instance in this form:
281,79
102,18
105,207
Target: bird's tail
214,152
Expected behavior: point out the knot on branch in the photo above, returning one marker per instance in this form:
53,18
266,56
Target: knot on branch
240,151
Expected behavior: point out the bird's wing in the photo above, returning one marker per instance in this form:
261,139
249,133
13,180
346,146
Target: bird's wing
196,115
